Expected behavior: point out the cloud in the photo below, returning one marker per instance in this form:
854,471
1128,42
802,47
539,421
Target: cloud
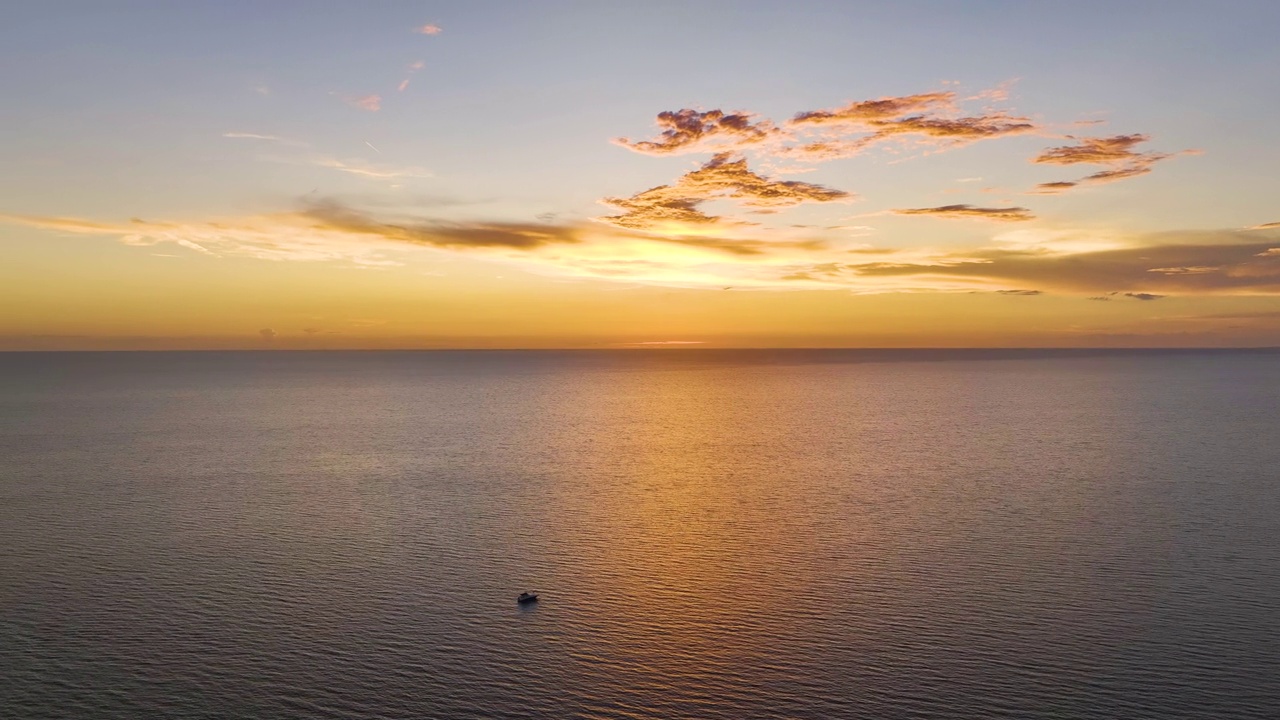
267,334
372,103
1097,150
1009,214
522,236
669,342
321,231
413,68
428,29
931,117
675,207
1116,151
1269,252
686,131
1218,263
1020,292
865,112
249,136
384,172
1221,264
1052,188
1264,226
1193,270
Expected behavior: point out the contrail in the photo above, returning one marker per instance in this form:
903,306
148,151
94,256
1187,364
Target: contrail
366,142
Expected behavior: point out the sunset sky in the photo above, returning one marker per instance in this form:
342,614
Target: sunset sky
238,174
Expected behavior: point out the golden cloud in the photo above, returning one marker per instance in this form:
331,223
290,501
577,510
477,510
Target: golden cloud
1116,151
686,131
864,112
1145,268
675,207
1009,214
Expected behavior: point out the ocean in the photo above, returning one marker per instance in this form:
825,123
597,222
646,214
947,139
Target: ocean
714,534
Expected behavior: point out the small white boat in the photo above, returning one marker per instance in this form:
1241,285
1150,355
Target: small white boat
527,597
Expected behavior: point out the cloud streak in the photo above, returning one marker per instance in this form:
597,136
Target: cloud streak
379,172
1116,151
369,103
250,136
412,69
1206,263
1007,214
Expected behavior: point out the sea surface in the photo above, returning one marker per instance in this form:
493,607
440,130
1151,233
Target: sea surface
715,534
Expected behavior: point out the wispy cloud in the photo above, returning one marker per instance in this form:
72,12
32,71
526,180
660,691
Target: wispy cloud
819,135
686,131
413,68
1116,151
931,118
428,29
1222,262
1007,214
1020,292
675,207
319,232
371,103
1098,150
383,172
926,122
1192,270
862,113
250,136
669,342
1264,226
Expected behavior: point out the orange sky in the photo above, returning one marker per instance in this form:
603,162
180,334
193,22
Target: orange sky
363,183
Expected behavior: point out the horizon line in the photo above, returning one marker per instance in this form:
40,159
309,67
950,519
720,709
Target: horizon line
686,349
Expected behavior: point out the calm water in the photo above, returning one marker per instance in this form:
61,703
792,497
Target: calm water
719,535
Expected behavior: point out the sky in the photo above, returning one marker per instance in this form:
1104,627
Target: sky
233,174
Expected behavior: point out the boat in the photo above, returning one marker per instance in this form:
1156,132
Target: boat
527,597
